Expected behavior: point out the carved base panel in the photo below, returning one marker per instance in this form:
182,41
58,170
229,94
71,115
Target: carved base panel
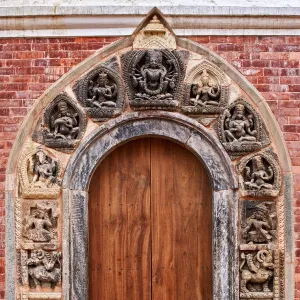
67,145
260,193
257,295
241,148
103,114
51,193
154,104
196,110
40,296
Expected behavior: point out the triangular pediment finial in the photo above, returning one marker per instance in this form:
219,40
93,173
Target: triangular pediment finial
154,32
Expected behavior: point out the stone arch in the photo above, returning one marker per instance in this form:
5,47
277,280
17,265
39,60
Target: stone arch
194,136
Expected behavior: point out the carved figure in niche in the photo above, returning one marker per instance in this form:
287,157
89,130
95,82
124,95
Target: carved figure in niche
44,267
153,77
241,130
153,80
65,123
260,226
62,125
257,271
38,226
101,93
259,177
44,170
205,92
40,174
239,127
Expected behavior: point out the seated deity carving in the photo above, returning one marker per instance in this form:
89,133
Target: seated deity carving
40,174
257,272
44,268
260,226
40,224
239,127
154,77
100,93
205,93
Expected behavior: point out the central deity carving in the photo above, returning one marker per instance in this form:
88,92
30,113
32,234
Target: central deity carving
153,77
153,80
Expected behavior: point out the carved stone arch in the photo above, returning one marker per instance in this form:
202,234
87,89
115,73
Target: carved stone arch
177,127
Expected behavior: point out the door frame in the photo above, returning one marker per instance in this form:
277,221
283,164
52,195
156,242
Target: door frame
175,127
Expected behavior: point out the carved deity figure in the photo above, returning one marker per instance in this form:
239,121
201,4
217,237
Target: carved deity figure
38,225
260,177
259,226
101,93
238,127
44,267
43,169
256,271
205,92
153,80
64,123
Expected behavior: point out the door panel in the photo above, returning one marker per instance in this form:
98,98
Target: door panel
150,225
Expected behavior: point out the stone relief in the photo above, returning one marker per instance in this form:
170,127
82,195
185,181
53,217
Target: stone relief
154,78
206,90
259,222
40,174
241,130
257,273
40,296
154,36
40,223
44,268
259,175
101,91
63,124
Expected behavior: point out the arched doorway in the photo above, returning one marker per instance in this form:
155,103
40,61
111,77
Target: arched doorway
150,224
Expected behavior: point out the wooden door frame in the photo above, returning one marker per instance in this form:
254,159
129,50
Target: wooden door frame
182,130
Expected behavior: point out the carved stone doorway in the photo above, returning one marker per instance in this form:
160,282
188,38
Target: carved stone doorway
150,224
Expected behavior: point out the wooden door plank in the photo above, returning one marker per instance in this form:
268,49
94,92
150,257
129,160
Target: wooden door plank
181,224
119,225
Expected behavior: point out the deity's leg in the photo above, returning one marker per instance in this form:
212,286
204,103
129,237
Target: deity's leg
229,136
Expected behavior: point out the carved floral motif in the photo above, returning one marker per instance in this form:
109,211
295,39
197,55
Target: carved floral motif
206,91
241,130
259,175
63,124
39,174
257,272
101,91
153,78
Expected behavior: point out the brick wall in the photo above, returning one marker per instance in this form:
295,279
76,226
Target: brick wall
29,66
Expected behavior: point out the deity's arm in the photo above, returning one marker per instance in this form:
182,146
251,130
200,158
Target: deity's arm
214,93
248,129
268,176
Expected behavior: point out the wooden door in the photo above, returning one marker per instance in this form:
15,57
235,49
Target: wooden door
150,225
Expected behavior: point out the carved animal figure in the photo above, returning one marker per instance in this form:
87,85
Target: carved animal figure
259,270
44,267
206,93
238,127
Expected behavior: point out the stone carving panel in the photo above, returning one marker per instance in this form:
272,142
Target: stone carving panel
40,296
62,126
39,225
43,268
241,129
101,91
259,175
259,222
206,90
154,78
39,174
257,274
